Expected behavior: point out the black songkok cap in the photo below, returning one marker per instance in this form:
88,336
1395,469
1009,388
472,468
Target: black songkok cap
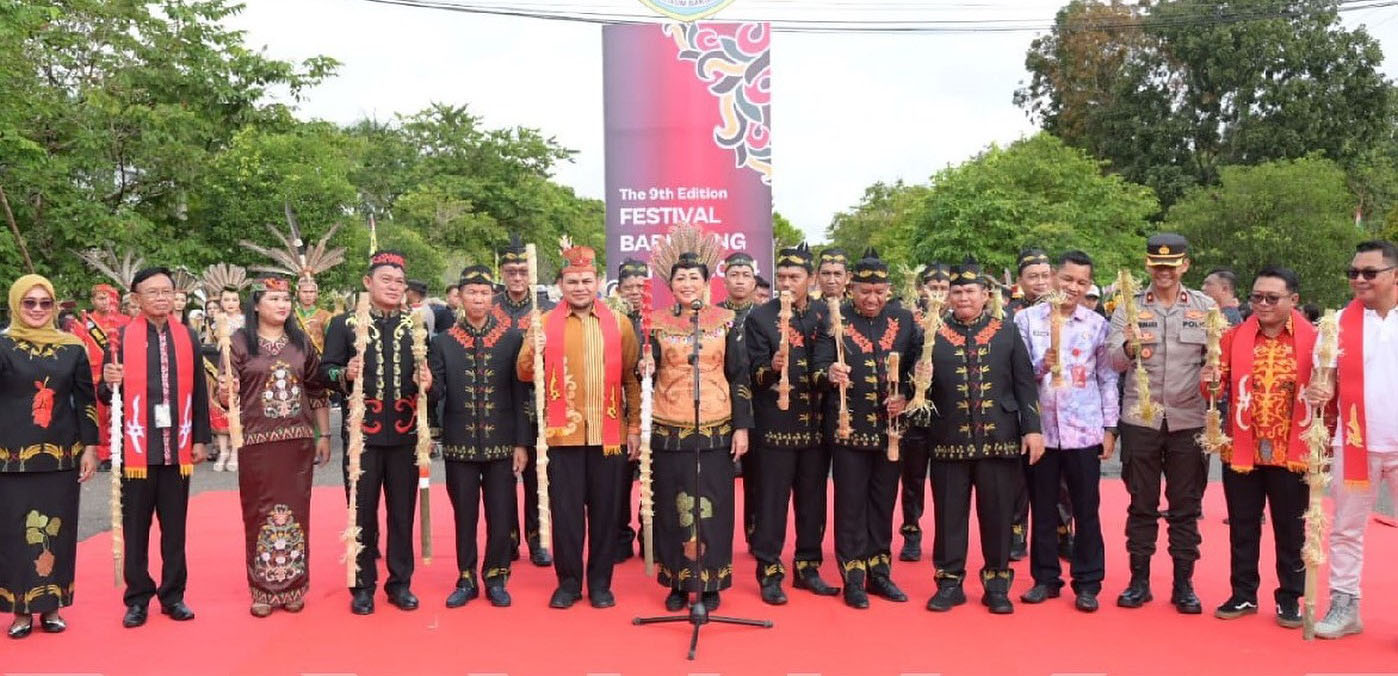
870,269
798,256
515,252
968,272
630,268
1029,257
477,274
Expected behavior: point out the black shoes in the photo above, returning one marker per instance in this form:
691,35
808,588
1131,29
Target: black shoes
1289,614
563,599
1086,602
362,602
883,587
623,551
772,593
947,597
178,612
498,597
855,596
135,616
539,554
1184,599
675,600
461,595
18,631
912,547
601,598
51,623
998,602
1136,595
403,600
1235,608
809,579
1019,544
1040,593
710,600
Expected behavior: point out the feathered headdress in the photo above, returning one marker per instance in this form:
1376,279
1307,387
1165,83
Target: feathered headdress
119,270
295,259
690,242
220,276
185,280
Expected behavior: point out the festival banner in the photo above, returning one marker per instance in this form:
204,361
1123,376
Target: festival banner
688,125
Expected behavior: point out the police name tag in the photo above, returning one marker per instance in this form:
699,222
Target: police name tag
162,416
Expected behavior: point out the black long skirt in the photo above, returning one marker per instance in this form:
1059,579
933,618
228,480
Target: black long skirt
274,482
677,541
38,540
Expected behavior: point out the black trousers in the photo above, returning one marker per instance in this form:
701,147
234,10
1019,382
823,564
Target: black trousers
1288,495
789,475
530,477
1176,455
916,461
389,471
866,485
1064,525
997,481
1080,469
625,533
585,495
750,468
164,494
467,484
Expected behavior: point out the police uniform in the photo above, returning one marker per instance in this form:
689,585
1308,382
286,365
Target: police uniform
1173,341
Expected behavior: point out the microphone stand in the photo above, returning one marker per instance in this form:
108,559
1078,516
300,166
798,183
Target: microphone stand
698,615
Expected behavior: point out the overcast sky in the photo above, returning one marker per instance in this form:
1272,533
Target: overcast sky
848,109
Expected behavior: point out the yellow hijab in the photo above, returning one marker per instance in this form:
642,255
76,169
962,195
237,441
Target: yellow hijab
43,335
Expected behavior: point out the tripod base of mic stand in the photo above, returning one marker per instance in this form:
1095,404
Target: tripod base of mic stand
699,616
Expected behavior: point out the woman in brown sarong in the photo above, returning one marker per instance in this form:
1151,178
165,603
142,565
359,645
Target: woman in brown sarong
285,435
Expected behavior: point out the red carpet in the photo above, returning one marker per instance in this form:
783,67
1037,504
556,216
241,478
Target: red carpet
812,635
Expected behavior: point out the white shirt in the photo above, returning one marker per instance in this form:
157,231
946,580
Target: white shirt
1380,382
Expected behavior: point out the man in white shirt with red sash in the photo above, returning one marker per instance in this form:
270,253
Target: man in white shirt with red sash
1366,432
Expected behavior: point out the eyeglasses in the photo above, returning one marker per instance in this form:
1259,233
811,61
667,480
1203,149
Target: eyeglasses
159,293
1368,273
31,303
1266,298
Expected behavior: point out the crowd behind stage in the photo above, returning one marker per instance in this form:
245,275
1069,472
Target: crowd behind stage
1010,396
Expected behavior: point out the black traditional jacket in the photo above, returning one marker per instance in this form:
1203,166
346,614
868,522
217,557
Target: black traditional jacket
390,392
868,342
810,344
48,406
740,312
724,382
516,314
473,373
984,389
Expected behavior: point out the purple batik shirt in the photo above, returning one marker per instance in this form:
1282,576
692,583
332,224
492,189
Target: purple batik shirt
1076,413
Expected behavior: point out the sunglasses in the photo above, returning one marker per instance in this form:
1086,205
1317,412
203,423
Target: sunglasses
1367,273
31,303
1266,298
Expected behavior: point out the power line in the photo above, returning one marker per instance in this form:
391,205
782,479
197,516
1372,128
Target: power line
598,14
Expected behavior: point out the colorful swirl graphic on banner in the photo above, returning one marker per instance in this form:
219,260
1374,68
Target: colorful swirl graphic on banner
735,59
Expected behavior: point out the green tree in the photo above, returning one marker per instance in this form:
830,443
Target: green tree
784,234
883,219
1171,91
1035,192
1296,213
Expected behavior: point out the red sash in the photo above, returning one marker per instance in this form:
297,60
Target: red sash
136,427
1303,337
1350,373
555,380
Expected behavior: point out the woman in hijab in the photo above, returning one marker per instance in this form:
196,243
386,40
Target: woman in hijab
48,439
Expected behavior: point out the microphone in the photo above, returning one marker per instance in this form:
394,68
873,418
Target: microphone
696,305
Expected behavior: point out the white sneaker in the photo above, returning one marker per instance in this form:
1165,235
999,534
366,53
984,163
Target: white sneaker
1342,619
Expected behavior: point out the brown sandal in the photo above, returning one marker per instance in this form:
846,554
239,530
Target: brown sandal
294,606
260,610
